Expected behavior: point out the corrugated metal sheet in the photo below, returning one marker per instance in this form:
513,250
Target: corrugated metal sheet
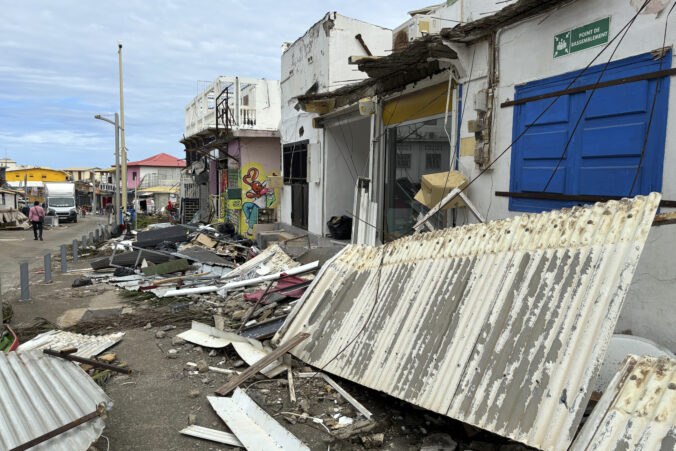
500,325
38,394
252,425
271,260
638,411
87,345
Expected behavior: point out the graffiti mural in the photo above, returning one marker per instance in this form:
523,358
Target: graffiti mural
255,195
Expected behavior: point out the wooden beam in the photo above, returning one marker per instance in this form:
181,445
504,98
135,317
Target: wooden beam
360,59
573,198
664,219
605,84
262,363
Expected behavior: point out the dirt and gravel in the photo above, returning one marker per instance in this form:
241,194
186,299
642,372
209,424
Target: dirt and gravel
166,391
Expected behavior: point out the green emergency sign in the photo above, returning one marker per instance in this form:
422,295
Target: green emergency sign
580,38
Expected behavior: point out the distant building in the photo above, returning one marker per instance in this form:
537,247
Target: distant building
9,164
232,148
159,170
82,174
31,180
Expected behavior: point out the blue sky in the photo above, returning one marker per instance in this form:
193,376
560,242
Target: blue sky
59,67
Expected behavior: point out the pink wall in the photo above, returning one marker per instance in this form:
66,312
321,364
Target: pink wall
265,151
131,183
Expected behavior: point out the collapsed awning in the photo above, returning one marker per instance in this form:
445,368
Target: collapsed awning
417,60
500,325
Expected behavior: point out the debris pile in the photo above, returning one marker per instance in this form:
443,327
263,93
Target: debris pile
482,337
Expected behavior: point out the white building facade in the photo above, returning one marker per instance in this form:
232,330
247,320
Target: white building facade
318,62
488,85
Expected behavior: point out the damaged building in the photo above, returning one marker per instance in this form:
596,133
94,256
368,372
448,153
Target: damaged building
232,153
516,112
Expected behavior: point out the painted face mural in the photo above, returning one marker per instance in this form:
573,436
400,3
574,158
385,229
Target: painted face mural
255,195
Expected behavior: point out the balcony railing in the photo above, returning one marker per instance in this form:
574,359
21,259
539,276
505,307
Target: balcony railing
232,103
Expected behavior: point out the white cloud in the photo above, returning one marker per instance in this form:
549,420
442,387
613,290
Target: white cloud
59,66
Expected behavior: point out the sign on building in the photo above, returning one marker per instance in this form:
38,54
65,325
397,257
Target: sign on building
581,38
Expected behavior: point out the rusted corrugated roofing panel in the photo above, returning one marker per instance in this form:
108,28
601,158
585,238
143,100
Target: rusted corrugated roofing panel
39,394
500,325
638,411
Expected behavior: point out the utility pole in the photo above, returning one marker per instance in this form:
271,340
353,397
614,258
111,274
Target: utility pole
123,148
116,197
116,203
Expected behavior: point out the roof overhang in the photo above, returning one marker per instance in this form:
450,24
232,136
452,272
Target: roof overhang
516,12
420,59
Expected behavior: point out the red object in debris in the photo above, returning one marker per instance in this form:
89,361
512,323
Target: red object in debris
281,285
16,339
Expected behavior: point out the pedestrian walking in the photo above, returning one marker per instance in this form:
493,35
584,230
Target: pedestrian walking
110,209
36,216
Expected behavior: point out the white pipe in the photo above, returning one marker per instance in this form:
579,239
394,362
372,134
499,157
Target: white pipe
242,283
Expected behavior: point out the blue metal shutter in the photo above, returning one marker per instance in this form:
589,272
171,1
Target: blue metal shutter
604,153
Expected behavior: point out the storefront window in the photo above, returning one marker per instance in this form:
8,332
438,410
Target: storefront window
413,150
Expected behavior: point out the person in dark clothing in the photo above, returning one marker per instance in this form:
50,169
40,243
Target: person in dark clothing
37,217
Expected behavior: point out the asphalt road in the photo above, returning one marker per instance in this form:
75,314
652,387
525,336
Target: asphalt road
18,246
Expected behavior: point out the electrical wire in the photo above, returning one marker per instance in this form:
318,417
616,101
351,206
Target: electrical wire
652,108
368,318
457,132
528,127
587,102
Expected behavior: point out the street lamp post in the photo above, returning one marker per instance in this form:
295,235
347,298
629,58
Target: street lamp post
116,197
124,149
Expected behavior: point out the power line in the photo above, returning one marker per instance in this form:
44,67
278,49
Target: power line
588,101
549,106
652,108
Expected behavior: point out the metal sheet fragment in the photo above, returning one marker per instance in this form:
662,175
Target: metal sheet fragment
501,325
252,425
38,394
638,411
87,345
212,434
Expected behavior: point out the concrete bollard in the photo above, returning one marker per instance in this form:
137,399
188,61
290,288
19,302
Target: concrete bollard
23,272
48,267
91,238
64,258
84,242
74,251
96,235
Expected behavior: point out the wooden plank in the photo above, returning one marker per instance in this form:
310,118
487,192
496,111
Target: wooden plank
356,404
166,268
605,84
262,363
665,219
289,375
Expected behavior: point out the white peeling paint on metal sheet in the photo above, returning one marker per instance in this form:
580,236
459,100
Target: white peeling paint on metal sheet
273,259
253,351
204,335
257,430
212,434
249,350
87,345
38,394
501,325
638,411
